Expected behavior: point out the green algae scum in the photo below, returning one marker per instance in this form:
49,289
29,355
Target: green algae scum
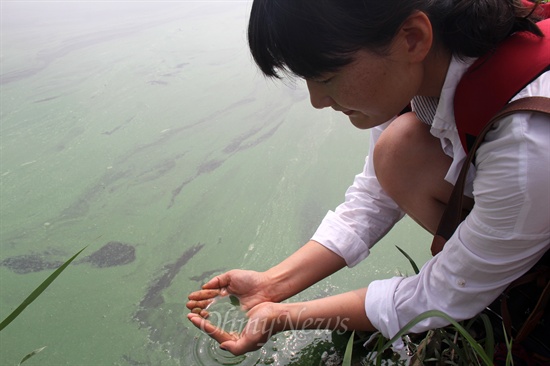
143,130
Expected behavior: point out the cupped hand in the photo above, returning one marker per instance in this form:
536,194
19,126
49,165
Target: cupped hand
249,286
262,324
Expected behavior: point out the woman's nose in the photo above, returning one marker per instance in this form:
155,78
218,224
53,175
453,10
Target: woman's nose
318,97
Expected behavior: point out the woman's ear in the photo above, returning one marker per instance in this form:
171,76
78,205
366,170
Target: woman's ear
416,37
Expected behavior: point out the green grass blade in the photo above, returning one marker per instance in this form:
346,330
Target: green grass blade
436,313
509,358
379,351
37,291
413,264
33,353
489,337
349,351
454,352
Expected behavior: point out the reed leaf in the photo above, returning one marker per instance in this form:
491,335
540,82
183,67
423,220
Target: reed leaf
413,264
509,345
37,291
349,351
489,336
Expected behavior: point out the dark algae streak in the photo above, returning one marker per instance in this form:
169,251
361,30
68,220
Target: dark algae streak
164,321
153,298
112,254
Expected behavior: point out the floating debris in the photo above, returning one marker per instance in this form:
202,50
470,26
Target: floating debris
28,163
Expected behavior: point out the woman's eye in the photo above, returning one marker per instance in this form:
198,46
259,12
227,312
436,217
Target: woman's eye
323,80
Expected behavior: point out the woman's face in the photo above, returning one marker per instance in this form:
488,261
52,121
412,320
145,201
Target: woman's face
370,90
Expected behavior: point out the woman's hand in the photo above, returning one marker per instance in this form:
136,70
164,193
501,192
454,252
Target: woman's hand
252,290
260,292
309,264
249,286
339,312
263,322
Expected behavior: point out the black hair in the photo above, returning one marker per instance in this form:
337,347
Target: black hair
310,37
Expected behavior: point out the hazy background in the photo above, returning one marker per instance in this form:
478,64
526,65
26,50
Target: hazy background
147,124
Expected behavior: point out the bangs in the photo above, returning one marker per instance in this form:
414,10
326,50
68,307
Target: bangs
294,37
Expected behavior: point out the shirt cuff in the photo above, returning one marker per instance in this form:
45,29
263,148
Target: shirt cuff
379,306
337,236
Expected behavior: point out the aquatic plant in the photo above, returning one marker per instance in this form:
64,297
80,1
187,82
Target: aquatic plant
32,297
349,350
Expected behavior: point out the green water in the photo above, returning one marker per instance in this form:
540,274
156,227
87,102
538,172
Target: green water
146,123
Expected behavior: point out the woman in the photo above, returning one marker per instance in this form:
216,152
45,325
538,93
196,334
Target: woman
369,59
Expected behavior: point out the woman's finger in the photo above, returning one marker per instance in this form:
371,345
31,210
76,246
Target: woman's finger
218,334
203,294
231,346
202,312
240,346
203,304
218,282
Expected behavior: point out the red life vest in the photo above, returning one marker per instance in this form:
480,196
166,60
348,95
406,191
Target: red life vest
494,79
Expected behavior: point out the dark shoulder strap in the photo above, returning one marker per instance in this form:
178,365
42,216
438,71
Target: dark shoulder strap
542,10
493,80
453,213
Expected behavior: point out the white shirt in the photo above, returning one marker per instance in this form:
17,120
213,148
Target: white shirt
505,234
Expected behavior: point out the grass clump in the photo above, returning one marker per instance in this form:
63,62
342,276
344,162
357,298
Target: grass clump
464,343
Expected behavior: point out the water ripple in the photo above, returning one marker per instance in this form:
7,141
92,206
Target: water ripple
207,352
225,313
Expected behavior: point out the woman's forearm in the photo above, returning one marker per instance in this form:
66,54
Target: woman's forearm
308,265
340,312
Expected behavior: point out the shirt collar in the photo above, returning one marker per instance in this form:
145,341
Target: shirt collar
444,116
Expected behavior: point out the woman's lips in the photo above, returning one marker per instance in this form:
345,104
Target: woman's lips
347,112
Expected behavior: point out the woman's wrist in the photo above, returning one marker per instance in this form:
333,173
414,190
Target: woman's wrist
278,284
310,264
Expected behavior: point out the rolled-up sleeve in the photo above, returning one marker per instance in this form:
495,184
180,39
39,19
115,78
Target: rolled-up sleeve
506,233
365,216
